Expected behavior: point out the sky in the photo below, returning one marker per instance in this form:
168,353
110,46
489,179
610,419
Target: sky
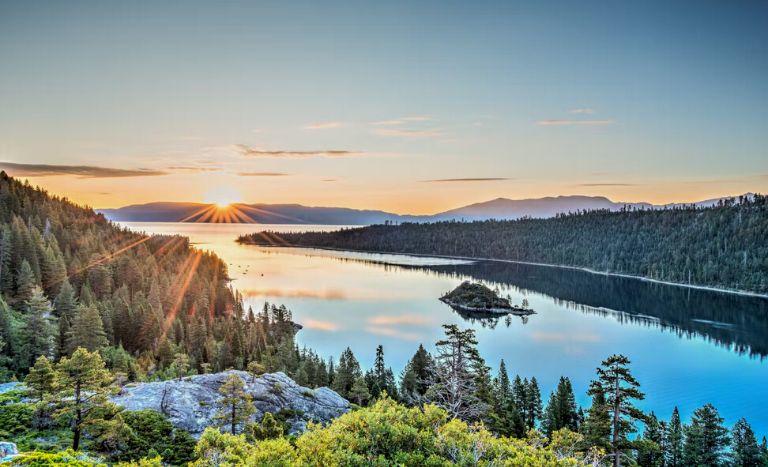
408,106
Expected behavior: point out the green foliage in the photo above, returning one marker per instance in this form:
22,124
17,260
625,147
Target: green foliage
721,246
235,405
387,433
705,438
268,428
152,432
620,388
68,458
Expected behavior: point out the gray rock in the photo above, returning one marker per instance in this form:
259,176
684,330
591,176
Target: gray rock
191,404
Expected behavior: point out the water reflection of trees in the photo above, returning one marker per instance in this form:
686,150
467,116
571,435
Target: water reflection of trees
735,321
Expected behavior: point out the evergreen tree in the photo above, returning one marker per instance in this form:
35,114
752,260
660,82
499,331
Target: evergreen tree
705,438
42,381
359,392
505,415
417,377
25,282
533,407
457,364
347,372
268,428
87,330
619,387
561,409
745,451
380,378
39,331
597,426
84,384
650,452
674,455
236,405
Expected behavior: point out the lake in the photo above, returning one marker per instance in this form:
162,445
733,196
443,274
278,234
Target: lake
688,347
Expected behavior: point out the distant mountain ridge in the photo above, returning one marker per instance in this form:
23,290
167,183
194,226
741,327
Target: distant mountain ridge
259,213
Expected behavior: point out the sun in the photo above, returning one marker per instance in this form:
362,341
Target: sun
222,196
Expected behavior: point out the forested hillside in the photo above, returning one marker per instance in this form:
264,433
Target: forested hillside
724,246
69,278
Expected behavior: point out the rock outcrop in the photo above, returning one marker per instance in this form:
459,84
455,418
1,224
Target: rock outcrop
191,404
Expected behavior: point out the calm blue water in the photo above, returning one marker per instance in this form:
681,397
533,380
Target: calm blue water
688,347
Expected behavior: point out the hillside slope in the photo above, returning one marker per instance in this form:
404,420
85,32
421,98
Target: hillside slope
725,246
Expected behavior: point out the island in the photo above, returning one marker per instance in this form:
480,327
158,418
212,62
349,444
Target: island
477,298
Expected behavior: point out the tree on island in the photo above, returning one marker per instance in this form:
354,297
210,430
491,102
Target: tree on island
619,387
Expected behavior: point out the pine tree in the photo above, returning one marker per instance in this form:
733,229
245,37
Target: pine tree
745,451
705,438
347,372
39,331
597,426
236,405
417,377
457,365
87,330
505,415
533,407
359,392
42,381
561,409
25,282
650,452
674,457
42,378
380,378
618,385
85,385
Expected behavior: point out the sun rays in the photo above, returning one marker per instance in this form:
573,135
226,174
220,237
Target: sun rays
236,213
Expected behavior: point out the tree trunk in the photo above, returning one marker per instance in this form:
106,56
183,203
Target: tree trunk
616,416
233,419
78,419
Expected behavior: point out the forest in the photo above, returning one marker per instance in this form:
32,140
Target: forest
723,246
87,307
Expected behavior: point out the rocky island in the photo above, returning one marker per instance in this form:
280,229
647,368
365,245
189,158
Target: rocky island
477,298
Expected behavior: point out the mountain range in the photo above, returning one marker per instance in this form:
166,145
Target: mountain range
500,208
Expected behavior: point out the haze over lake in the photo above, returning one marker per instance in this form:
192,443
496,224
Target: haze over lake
688,347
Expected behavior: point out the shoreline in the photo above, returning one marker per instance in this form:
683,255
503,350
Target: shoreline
744,293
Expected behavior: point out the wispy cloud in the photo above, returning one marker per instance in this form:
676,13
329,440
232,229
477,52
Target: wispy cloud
256,152
459,180
408,132
262,174
81,171
568,122
382,331
329,180
186,168
605,184
403,120
319,325
389,320
582,110
324,125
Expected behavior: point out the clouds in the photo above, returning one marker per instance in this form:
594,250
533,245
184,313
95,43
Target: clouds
408,132
403,120
570,122
324,125
582,110
605,184
286,154
80,171
460,180
262,174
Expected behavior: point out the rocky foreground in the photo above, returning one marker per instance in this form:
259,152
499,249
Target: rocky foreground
191,404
